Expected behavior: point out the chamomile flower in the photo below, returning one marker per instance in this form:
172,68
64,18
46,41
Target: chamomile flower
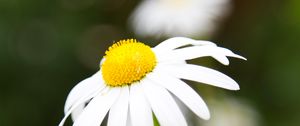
178,17
136,80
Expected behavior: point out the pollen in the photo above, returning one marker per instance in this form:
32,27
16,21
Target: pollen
126,62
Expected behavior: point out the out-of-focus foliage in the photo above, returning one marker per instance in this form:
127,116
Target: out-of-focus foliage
267,33
47,46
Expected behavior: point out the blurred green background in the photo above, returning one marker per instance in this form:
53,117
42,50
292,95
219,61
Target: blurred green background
48,46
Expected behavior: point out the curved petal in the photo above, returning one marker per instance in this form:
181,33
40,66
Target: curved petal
77,104
193,52
160,58
163,105
184,92
159,55
177,42
87,86
77,111
98,107
119,111
201,74
140,110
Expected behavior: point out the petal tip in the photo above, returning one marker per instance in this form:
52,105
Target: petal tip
243,58
240,57
206,117
236,87
205,114
233,87
225,63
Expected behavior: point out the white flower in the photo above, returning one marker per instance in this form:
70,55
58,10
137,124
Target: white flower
178,17
135,80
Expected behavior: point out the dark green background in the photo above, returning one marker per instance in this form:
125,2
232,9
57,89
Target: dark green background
47,46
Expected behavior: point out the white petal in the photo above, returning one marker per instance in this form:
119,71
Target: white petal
188,53
140,111
163,105
79,102
177,42
222,59
77,111
119,111
87,86
184,92
229,53
200,74
160,55
128,122
98,107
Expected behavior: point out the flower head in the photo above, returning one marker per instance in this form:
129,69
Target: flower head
178,17
126,62
135,80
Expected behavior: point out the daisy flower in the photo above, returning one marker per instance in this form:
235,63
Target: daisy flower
178,17
136,82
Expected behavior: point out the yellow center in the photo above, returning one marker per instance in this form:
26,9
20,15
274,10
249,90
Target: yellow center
127,61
